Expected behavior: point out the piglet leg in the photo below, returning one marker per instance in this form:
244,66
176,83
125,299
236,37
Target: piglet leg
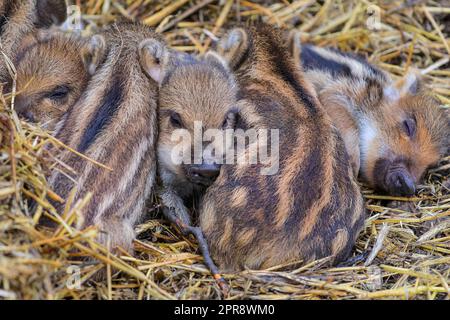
203,245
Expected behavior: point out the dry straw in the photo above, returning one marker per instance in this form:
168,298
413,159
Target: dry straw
403,253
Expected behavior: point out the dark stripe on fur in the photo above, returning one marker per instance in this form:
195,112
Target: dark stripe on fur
57,15
307,189
284,69
246,55
141,173
10,9
374,91
335,212
361,60
23,52
105,112
312,60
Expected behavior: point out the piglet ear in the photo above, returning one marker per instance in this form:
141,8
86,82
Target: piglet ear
233,46
154,57
411,83
391,93
93,53
295,43
232,119
215,58
50,12
295,46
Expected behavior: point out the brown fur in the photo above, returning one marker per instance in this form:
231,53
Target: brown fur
372,114
114,123
18,18
52,72
311,208
192,90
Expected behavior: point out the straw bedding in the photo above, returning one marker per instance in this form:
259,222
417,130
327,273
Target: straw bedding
403,252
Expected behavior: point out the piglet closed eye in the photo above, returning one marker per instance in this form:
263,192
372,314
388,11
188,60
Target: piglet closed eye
409,126
53,70
384,123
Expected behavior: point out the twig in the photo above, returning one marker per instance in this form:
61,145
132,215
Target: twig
186,14
378,245
159,16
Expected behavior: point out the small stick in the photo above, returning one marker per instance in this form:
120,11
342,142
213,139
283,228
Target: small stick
436,27
198,234
219,23
378,245
186,14
160,15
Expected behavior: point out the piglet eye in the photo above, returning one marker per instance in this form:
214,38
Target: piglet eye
175,120
409,126
231,120
226,123
58,94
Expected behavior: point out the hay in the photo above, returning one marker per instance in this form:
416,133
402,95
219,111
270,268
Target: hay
403,253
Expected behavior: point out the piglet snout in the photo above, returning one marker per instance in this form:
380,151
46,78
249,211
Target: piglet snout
400,182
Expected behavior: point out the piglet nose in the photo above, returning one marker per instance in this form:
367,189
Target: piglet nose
207,171
403,183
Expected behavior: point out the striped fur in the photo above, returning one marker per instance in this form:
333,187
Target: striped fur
53,69
115,123
194,90
388,128
312,208
20,17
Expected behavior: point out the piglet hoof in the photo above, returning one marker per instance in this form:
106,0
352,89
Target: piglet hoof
203,245
223,285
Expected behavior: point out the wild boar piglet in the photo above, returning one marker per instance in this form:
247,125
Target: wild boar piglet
197,104
393,131
53,70
302,202
114,125
18,18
